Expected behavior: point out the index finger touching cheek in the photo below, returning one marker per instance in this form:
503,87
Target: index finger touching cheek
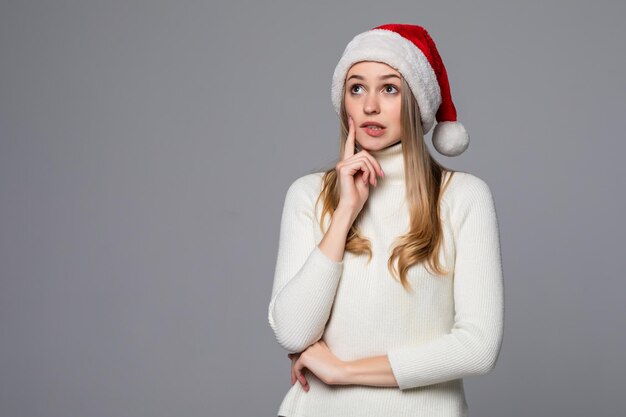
349,147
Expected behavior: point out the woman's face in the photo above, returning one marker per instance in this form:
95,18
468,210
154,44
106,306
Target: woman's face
373,95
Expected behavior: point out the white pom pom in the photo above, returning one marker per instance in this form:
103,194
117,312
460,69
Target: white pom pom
450,138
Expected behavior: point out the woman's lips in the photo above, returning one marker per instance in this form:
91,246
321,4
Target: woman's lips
374,132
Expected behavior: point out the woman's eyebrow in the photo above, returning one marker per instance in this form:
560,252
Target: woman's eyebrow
382,77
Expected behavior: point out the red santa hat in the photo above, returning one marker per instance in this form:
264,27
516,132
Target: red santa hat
412,52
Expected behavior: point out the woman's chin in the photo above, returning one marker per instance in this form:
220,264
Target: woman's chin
375,144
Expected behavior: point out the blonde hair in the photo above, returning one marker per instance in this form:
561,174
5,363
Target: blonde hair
424,189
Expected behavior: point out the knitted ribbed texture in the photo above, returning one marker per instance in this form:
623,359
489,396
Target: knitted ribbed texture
447,328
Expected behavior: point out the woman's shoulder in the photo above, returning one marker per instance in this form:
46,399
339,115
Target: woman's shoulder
463,188
308,182
306,188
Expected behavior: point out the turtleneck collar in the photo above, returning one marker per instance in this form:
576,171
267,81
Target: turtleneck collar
391,160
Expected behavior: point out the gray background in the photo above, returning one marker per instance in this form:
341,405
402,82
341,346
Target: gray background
146,148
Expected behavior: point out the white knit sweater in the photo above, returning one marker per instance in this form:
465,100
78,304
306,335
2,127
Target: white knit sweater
447,328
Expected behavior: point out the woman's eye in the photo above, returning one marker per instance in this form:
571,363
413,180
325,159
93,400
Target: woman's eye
391,86
353,87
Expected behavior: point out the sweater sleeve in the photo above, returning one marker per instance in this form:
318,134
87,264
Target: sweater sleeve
305,279
473,344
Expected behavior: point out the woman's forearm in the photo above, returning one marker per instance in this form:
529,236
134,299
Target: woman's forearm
333,244
374,371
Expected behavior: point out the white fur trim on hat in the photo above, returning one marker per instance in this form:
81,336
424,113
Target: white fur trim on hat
450,138
391,48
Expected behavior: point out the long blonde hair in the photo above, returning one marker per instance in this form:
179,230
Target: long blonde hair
423,175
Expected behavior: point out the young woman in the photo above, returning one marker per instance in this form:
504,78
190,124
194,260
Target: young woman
388,287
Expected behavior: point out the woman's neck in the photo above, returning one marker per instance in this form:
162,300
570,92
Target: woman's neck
391,159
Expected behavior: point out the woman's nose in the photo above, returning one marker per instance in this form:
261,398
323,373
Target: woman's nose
371,104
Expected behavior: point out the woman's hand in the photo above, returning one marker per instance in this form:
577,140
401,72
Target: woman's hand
301,378
318,359
356,172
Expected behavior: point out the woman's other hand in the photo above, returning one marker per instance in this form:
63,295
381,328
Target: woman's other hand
356,172
300,378
318,359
